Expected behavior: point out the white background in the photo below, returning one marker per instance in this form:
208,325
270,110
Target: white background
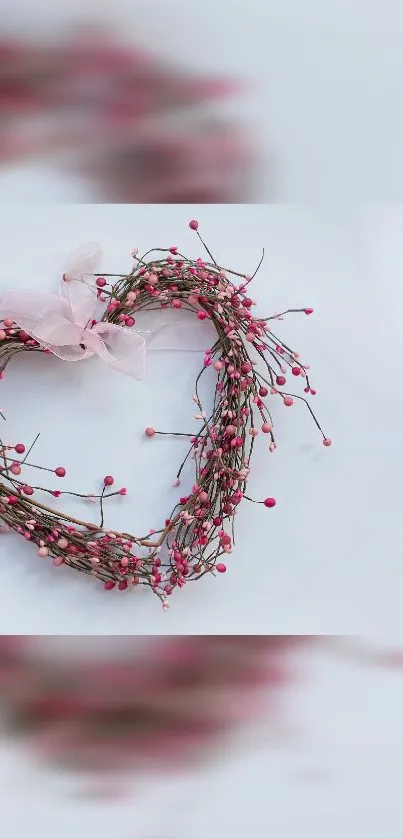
328,558
325,85
330,766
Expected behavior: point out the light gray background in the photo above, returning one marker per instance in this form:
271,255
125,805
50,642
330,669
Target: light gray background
328,558
325,97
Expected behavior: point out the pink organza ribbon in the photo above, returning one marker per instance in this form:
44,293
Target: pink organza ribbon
63,323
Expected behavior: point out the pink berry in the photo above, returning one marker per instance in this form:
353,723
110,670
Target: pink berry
60,472
130,321
263,391
201,315
3,334
327,442
150,432
12,499
108,480
296,371
176,303
266,428
281,380
288,401
27,490
101,282
193,224
15,469
109,585
63,543
246,367
270,502
123,491
308,311
221,568
122,585
20,448
58,560
43,552
218,365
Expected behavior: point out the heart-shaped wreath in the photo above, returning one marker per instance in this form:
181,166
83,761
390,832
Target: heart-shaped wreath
251,364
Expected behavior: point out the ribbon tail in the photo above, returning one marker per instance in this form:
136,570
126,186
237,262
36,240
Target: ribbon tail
183,336
122,348
79,302
83,263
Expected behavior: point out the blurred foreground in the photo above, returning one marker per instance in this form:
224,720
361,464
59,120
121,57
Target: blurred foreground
135,128
183,738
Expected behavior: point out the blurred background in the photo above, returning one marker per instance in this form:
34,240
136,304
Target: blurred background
202,735
170,101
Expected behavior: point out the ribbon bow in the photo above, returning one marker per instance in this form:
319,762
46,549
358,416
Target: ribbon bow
65,323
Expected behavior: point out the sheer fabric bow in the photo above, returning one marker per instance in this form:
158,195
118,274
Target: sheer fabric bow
66,324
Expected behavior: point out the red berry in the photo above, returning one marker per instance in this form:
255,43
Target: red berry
130,321
122,585
201,315
270,502
281,380
327,442
101,282
296,371
12,499
221,568
108,480
193,224
263,391
27,490
20,448
308,311
60,472
109,585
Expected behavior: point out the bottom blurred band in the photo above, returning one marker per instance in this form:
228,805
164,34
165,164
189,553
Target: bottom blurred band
105,707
